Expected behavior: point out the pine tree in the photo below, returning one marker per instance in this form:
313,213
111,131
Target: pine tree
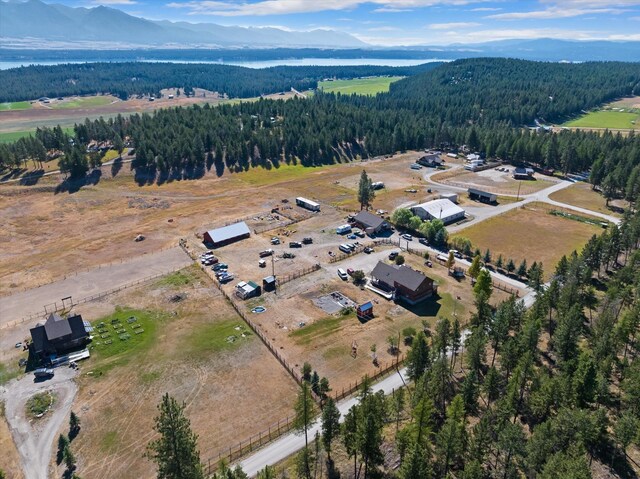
476,266
304,409
330,425
175,452
74,426
365,191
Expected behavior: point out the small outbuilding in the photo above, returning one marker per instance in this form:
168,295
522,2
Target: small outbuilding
441,209
269,283
364,312
521,173
307,204
453,197
246,290
370,223
226,235
483,196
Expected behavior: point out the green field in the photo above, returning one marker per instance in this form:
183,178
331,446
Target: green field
82,102
18,105
360,86
11,136
618,120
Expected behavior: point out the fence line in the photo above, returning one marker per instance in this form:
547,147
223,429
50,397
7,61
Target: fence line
340,256
87,299
84,270
280,280
389,367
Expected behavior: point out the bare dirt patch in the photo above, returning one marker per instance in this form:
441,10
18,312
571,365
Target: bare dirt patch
582,195
501,183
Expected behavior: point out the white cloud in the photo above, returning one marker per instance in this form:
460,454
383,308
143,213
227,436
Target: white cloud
555,12
452,25
283,7
486,9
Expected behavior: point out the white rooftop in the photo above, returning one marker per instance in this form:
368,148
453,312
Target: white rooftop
442,208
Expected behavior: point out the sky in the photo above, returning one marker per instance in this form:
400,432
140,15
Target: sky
407,22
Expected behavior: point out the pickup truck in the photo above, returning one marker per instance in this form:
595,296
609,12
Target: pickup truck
295,244
43,373
307,240
265,253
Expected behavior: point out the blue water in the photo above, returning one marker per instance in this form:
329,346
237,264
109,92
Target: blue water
267,63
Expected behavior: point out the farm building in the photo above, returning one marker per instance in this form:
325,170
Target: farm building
308,204
473,157
247,290
430,159
521,173
441,209
226,235
364,311
59,335
482,196
407,284
453,197
370,223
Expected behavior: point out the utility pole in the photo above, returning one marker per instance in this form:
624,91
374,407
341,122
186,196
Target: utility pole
519,185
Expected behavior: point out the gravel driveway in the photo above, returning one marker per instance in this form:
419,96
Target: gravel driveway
35,440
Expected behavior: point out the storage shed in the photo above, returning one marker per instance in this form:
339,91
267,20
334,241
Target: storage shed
226,235
482,196
269,283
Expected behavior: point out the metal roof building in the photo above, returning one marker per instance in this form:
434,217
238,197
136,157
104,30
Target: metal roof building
227,234
442,209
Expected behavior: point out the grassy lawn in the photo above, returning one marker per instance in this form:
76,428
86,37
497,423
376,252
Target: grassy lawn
531,234
622,120
215,337
360,86
11,136
583,196
17,105
181,278
261,177
7,373
320,329
39,404
118,347
82,102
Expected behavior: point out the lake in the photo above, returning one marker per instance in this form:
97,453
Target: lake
266,63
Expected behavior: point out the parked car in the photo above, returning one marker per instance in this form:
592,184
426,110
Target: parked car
393,255
342,274
423,241
295,244
220,266
407,237
307,240
368,250
211,261
265,253
286,255
226,279
352,236
43,373
415,166
429,264
275,240
456,253
359,233
350,271
262,263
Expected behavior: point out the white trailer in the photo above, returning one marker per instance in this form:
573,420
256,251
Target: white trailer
308,204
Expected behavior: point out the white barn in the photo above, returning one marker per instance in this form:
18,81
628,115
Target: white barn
442,209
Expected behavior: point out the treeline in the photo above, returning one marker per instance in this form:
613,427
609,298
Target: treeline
139,78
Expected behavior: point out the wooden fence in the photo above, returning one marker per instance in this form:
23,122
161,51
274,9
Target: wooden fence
340,256
382,371
280,280
55,307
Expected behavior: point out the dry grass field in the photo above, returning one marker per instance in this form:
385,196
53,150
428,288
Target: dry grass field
493,181
232,389
48,235
582,195
531,233
9,459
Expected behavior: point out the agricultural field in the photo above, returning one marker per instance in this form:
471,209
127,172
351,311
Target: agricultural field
359,86
582,195
531,233
191,345
17,105
620,115
9,459
83,102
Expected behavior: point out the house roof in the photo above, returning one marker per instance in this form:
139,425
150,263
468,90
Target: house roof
523,171
402,275
226,233
442,208
475,191
269,279
366,306
369,220
56,327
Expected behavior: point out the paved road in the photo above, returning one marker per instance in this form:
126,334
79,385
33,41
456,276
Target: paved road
35,441
293,442
88,283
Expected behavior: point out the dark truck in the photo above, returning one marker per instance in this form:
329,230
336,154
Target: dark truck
43,373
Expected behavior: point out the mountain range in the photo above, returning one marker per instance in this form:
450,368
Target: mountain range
36,22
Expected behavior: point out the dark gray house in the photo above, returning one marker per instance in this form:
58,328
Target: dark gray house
370,223
408,284
59,335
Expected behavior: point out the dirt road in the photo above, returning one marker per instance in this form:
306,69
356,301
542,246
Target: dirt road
35,440
88,283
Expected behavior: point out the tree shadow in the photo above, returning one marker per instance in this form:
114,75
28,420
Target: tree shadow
12,174
116,166
73,185
32,178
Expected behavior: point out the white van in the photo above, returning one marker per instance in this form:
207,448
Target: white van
344,248
343,274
